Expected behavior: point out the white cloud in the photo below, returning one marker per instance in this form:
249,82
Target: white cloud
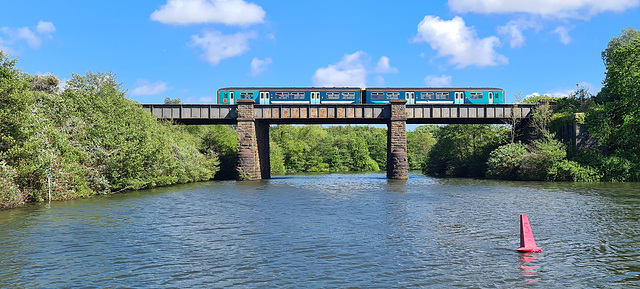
578,9
350,71
565,92
218,46
228,12
45,27
513,31
563,33
258,66
453,38
384,67
437,81
33,39
145,87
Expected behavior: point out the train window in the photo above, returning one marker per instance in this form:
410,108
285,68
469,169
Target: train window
442,95
297,95
246,95
426,95
377,95
333,95
393,95
349,95
496,95
476,95
282,95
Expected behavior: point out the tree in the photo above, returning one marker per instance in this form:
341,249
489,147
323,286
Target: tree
419,143
463,150
612,62
515,118
616,120
168,100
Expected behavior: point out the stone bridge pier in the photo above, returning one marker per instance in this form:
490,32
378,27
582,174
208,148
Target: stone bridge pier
253,144
397,162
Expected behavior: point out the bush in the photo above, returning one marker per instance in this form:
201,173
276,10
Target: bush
10,194
545,153
505,161
566,170
622,166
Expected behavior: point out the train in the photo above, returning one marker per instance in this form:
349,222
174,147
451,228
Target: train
357,95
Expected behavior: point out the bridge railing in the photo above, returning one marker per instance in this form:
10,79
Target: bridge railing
191,111
345,113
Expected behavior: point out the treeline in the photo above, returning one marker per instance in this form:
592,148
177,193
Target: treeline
86,139
612,117
340,148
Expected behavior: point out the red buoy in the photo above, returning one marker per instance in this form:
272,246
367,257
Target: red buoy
527,243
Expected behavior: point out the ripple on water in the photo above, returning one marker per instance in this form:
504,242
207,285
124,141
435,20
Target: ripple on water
328,230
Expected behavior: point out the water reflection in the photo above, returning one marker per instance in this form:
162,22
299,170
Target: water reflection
528,269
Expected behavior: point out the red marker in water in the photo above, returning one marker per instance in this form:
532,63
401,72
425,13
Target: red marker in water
527,243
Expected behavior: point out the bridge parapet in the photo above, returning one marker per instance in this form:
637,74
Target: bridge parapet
342,114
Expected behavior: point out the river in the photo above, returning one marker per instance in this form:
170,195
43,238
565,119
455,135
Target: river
329,231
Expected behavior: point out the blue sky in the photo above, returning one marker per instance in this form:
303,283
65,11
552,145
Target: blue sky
188,49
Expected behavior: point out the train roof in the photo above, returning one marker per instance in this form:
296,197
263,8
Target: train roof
292,88
432,88
312,88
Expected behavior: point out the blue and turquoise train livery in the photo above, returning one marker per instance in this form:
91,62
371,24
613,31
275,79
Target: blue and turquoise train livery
348,95
291,95
424,95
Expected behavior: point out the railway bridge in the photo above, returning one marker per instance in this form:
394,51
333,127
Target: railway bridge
253,123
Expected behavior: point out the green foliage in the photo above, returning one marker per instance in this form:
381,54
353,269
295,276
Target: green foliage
419,143
622,166
331,149
220,141
613,62
463,150
88,139
168,100
544,154
616,121
571,171
504,162
10,195
276,154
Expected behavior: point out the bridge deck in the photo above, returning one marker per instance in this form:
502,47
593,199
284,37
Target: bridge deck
343,114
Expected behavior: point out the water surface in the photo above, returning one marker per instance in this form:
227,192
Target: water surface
329,230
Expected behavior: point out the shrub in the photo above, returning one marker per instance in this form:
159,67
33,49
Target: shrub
566,170
545,153
10,195
505,161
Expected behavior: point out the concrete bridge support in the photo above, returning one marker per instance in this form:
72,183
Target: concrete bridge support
397,162
249,167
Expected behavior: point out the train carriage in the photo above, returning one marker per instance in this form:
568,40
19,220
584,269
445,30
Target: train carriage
348,95
291,95
424,95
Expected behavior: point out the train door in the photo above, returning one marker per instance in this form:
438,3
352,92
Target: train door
490,97
315,97
232,99
459,98
411,97
264,97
